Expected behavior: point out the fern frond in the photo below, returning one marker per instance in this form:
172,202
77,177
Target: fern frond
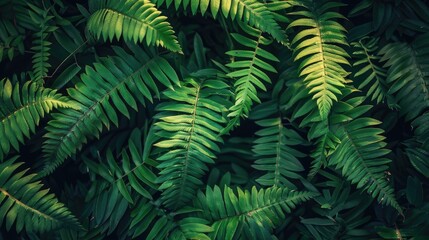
407,75
322,131
250,12
135,21
247,215
149,218
325,146
361,156
367,71
249,67
190,123
319,48
21,109
105,206
104,90
23,203
133,176
274,148
41,44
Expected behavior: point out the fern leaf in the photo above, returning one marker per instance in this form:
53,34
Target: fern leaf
368,72
325,146
134,173
323,131
274,148
407,74
21,110
105,206
135,21
112,84
41,44
248,67
163,225
23,203
247,215
361,156
190,123
250,12
319,48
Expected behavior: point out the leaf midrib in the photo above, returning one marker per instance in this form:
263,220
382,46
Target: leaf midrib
188,147
251,66
4,192
249,213
374,179
31,104
99,102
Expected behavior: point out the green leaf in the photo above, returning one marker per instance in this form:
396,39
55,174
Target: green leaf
143,23
113,83
22,108
248,213
190,134
23,203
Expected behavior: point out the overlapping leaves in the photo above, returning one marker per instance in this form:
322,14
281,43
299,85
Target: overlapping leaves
22,108
24,203
249,68
250,12
189,122
247,214
135,21
275,148
113,84
407,75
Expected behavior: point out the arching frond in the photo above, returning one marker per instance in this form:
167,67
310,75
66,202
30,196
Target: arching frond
248,67
407,74
275,148
250,12
247,215
135,21
21,109
369,75
105,89
361,156
25,204
318,46
189,123
351,143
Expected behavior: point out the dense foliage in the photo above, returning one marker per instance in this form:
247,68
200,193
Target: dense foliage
214,119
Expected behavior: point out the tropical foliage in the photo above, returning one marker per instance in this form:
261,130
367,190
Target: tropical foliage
214,119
